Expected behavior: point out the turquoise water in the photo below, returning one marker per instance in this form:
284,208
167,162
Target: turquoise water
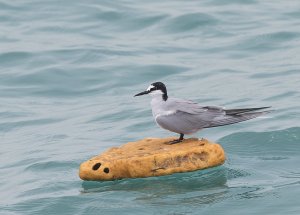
68,73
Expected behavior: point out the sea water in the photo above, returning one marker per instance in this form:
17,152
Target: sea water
68,73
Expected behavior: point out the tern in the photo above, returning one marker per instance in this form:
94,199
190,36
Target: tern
187,117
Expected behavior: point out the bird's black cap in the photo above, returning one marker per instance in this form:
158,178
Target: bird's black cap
156,86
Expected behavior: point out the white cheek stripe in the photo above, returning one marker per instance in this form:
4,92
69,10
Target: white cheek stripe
156,92
150,87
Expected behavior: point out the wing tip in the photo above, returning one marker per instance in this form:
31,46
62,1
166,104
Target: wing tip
241,111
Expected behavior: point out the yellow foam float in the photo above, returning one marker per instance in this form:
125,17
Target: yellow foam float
152,157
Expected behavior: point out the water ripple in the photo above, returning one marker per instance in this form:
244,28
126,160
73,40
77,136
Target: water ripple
68,73
188,22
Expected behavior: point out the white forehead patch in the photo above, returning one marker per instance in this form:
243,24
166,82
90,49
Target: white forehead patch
150,87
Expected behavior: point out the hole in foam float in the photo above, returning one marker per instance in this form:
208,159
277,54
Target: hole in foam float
96,166
106,170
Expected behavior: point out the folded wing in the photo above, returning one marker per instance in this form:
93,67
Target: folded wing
189,117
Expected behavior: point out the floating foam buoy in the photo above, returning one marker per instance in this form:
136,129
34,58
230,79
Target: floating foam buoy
152,157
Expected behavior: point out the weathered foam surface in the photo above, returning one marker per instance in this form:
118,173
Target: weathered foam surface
152,157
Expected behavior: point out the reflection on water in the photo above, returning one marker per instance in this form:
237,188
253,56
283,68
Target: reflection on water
171,184
206,186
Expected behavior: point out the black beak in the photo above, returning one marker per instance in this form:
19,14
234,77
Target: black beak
142,93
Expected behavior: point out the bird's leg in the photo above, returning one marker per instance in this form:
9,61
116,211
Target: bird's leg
181,137
178,140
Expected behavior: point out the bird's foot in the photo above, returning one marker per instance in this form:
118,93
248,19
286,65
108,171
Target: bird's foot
175,141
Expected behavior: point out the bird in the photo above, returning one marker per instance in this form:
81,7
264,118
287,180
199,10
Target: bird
186,117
